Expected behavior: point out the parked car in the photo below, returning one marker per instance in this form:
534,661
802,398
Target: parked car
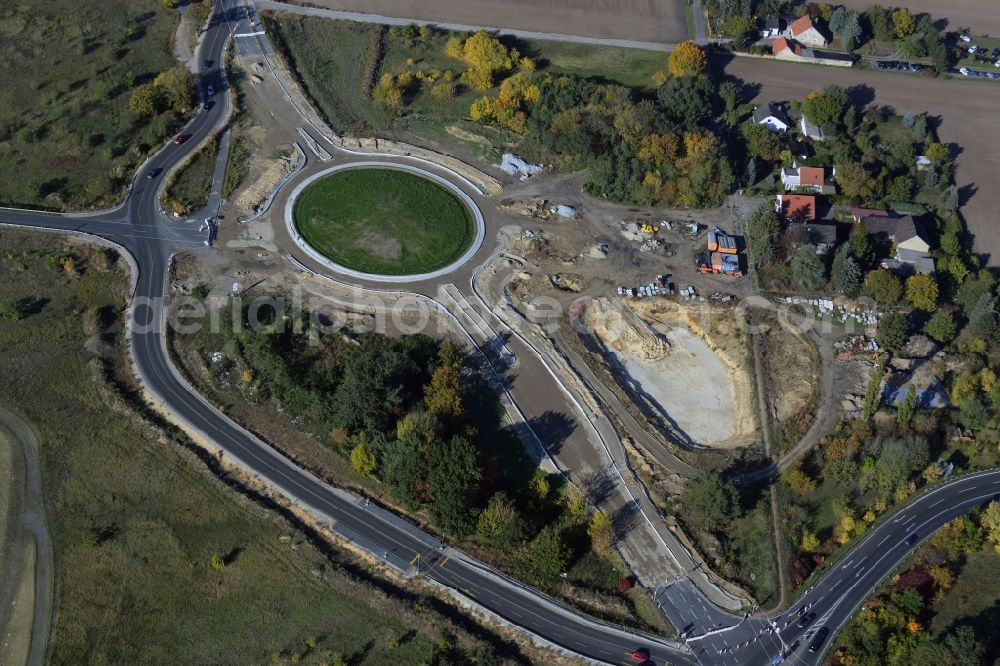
964,71
817,641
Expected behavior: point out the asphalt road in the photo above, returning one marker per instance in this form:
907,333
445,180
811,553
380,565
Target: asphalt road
714,636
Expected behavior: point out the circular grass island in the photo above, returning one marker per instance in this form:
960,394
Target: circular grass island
384,221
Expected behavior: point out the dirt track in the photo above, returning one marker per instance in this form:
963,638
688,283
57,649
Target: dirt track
978,15
641,20
969,114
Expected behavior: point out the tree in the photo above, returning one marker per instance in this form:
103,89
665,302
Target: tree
363,459
687,58
11,310
941,327
810,542
851,35
938,153
177,88
807,270
826,108
908,408
686,101
880,22
989,520
761,142
837,19
903,23
729,92
601,532
891,332
855,182
709,502
144,100
500,524
762,235
798,480
443,396
845,276
486,55
860,246
546,559
453,476
922,292
884,287
217,561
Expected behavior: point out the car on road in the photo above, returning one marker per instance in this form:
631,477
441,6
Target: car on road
153,173
912,539
208,63
210,90
181,138
817,641
806,619
640,654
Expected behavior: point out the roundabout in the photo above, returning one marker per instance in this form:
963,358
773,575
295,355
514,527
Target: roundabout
384,222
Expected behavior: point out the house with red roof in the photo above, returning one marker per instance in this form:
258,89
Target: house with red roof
816,179
805,31
796,207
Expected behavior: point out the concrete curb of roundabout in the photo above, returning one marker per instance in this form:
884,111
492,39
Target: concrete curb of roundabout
344,271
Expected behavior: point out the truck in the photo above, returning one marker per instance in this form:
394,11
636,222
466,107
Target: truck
720,241
719,263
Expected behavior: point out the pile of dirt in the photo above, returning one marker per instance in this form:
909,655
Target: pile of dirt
624,333
254,195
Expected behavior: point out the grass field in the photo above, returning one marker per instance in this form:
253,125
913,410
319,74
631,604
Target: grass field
384,221
136,517
191,185
67,138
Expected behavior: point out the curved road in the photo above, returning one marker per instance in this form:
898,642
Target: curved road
714,637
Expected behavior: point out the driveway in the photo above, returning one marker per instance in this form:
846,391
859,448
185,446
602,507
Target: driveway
968,111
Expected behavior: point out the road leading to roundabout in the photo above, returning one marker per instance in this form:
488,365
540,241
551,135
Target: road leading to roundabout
390,223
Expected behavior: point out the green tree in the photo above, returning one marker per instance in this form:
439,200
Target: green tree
686,101
363,459
177,88
884,287
938,153
880,22
404,470
852,33
860,245
941,327
891,332
217,561
810,542
855,182
443,396
11,310
826,108
761,142
500,524
908,407
807,270
922,292
709,502
845,275
546,558
729,93
453,477
762,235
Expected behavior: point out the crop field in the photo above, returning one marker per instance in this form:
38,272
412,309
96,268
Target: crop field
156,560
384,221
67,138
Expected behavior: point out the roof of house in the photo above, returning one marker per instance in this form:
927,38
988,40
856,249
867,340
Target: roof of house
765,111
822,233
899,229
801,24
772,23
800,207
779,45
811,176
859,213
812,130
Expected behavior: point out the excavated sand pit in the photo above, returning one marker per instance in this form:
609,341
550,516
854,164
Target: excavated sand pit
694,379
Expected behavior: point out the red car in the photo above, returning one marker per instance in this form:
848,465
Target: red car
181,138
640,654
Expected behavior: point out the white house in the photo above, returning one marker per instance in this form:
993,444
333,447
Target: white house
804,31
772,117
811,130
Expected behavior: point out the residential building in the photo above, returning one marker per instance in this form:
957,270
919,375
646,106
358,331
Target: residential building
789,49
771,27
796,207
772,116
820,234
805,31
810,178
904,240
810,130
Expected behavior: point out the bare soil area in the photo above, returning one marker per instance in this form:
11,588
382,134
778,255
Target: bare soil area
640,20
665,357
965,110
